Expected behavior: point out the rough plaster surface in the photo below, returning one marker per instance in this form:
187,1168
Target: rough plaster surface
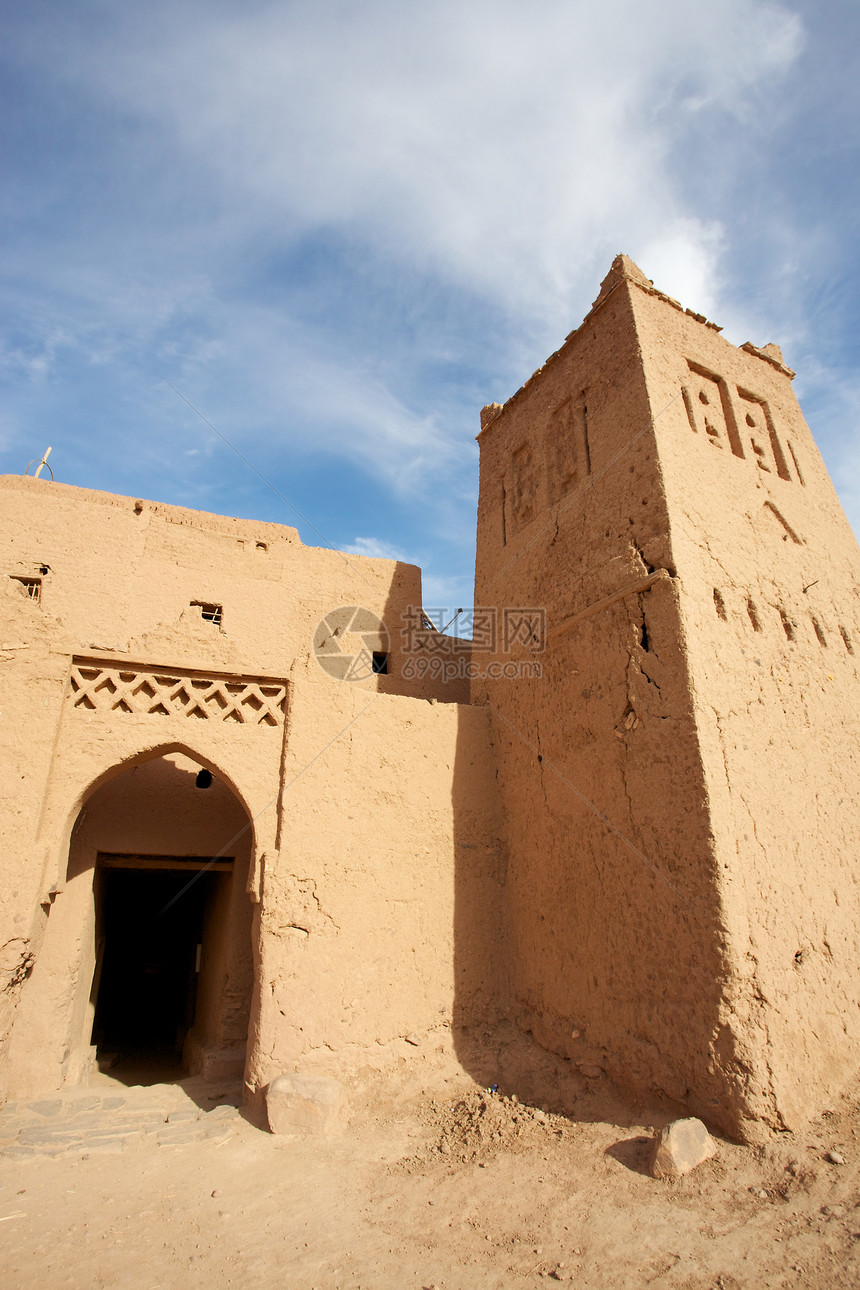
385,919
771,615
113,672
645,853
683,903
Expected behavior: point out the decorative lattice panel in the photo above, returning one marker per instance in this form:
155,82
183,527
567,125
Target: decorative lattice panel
106,687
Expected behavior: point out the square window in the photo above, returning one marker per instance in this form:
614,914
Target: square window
210,613
33,586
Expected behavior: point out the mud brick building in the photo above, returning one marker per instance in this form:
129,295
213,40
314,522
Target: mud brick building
628,820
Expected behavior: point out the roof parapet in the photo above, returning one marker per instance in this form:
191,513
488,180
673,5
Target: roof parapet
772,354
624,268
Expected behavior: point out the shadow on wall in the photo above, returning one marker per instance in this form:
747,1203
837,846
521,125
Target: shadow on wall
454,842
481,989
479,968
495,1038
608,948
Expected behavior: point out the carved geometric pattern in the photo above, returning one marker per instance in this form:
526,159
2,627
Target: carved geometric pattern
708,402
525,486
735,416
108,687
566,451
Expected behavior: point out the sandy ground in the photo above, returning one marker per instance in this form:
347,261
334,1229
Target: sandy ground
433,1182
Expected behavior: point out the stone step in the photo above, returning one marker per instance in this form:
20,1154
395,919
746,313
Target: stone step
93,1123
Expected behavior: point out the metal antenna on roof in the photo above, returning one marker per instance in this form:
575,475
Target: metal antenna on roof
431,626
453,620
44,462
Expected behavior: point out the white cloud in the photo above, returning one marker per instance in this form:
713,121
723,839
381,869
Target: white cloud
685,263
447,594
442,595
830,399
270,374
476,165
375,548
503,151
499,145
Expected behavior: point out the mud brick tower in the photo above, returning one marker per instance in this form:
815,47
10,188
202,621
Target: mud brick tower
636,835
680,784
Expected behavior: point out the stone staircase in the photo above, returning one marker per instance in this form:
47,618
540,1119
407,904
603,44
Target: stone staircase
87,1122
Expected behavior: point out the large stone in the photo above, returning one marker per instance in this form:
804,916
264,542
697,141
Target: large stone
681,1146
183,1115
46,1108
306,1104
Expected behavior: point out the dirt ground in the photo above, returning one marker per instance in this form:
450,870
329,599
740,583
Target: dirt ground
433,1182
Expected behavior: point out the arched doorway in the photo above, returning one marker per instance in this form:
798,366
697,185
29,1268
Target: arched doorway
168,846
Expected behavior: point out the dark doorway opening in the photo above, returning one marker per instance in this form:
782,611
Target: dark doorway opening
150,931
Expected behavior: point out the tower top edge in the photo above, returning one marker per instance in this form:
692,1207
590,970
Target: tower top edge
624,269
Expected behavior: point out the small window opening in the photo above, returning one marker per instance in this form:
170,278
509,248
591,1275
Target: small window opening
380,663
719,604
211,613
822,640
261,547
204,779
796,466
759,454
788,626
753,615
33,586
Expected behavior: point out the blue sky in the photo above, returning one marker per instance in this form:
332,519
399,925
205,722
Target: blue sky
340,228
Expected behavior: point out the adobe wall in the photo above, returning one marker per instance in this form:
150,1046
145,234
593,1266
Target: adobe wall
697,716
382,916
770,572
613,909
641,838
124,576
115,666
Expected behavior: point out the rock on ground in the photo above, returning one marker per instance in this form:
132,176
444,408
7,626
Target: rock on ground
681,1146
306,1104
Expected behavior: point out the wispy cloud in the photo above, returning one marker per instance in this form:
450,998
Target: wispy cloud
376,549
340,229
499,145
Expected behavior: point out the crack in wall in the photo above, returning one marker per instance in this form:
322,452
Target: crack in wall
17,961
